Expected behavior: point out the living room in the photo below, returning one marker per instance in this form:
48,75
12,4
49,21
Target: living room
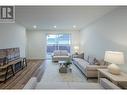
92,32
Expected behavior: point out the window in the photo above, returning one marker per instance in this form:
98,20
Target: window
58,42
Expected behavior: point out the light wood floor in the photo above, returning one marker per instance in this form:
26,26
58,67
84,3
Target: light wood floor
22,77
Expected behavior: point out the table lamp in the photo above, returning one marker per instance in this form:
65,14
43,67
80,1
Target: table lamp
114,58
76,49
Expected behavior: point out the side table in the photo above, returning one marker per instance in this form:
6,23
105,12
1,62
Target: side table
116,79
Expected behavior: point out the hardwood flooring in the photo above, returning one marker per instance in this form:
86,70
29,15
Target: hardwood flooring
21,78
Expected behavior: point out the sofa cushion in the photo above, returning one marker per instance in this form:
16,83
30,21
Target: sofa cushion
86,57
56,53
60,56
80,85
94,67
97,63
60,53
52,85
107,84
69,85
80,56
81,62
63,53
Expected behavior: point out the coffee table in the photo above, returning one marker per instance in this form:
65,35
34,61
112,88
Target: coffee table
63,68
61,62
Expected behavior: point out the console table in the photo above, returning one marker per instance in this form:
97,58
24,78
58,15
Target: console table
9,69
116,79
10,62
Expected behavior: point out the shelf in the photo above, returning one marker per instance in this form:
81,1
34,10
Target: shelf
2,78
4,72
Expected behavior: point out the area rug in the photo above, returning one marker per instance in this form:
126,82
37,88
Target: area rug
52,79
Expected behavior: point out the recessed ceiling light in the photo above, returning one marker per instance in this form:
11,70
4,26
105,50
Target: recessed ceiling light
54,26
34,26
74,26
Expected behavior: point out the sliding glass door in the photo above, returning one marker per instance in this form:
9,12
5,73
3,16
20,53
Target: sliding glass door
58,42
51,43
64,42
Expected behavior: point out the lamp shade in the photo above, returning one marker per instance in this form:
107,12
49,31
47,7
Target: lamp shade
76,49
114,57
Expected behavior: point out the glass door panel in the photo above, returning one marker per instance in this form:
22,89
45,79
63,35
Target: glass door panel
51,43
64,42
58,42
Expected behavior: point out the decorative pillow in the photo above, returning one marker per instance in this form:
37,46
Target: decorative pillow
92,60
86,57
101,62
80,56
97,63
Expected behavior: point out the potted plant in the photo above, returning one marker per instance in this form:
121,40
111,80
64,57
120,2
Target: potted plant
68,63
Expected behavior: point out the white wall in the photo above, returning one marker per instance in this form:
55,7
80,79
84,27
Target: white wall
36,41
36,47
107,33
13,35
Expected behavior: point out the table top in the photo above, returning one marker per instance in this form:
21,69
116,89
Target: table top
10,63
62,62
118,78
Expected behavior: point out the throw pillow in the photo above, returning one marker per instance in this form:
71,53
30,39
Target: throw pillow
92,60
101,62
80,56
97,63
86,57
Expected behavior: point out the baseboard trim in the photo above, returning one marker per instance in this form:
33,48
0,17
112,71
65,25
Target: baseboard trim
35,59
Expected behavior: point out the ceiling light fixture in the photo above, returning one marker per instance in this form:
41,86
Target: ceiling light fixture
74,26
54,26
34,26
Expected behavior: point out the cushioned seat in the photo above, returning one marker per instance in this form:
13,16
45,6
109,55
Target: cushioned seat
94,67
108,84
60,56
52,85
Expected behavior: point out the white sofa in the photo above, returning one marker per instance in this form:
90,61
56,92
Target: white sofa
60,55
88,65
104,84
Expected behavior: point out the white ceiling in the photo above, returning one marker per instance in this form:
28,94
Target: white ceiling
64,17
